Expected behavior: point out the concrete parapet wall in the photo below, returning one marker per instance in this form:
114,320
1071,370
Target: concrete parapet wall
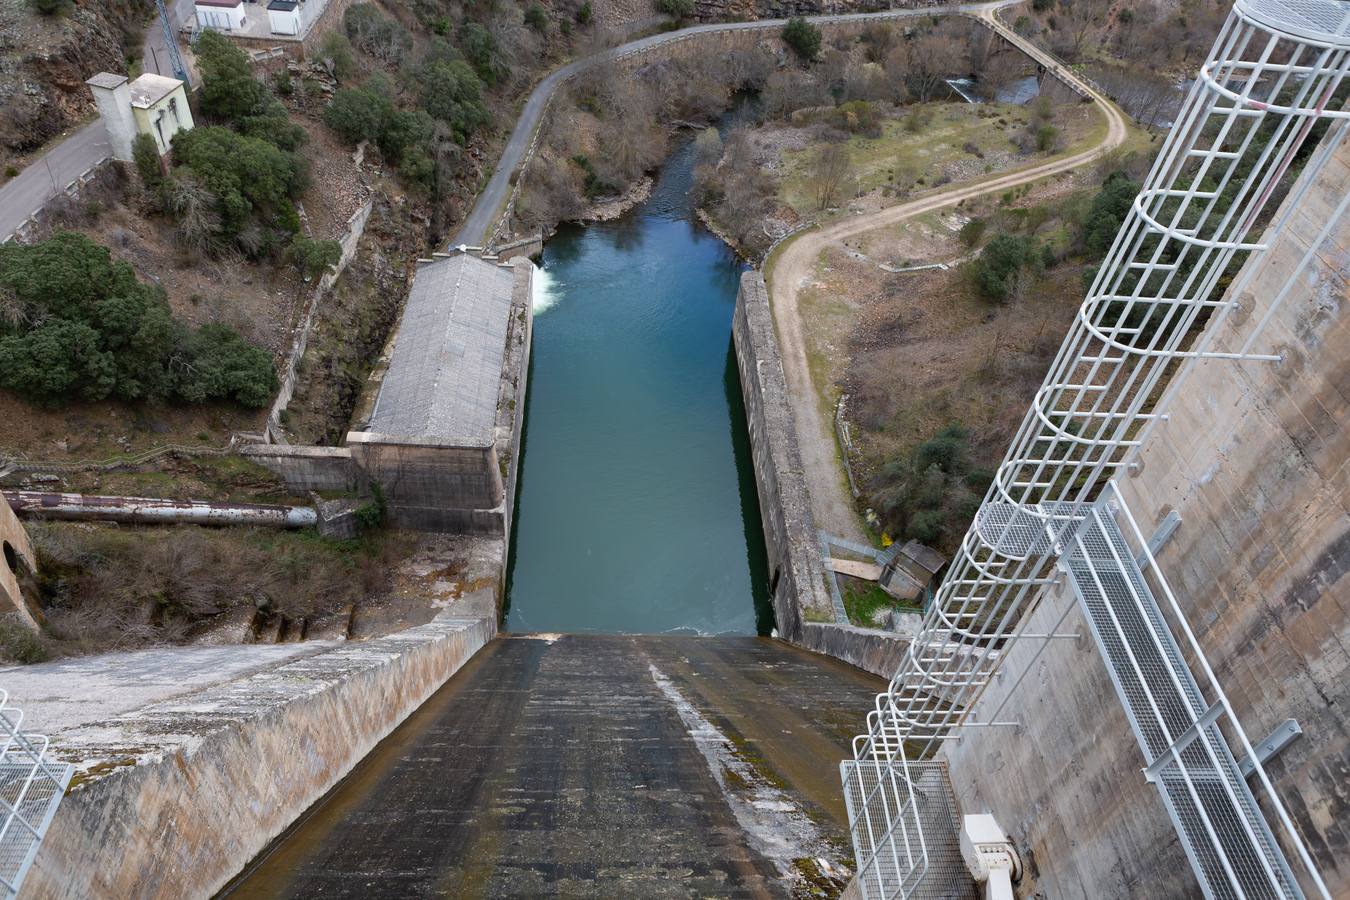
306,468
16,555
173,799
796,573
1253,459
878,652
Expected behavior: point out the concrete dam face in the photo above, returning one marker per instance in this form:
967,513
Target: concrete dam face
594,766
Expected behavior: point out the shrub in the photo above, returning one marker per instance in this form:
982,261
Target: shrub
1046,135
971,232
372,32
585,14
253,184
19,643
335,50
482,52
676,9
217,364
803,38
48,7
1108,211
536,17
87,328
145,154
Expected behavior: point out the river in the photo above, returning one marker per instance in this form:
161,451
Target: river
636,507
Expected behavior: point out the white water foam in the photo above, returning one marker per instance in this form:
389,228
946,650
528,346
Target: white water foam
547,291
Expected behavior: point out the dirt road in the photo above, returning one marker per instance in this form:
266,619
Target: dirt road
794,266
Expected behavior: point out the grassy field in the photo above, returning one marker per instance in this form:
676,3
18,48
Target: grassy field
933,143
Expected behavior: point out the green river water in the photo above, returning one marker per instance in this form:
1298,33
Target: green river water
636,508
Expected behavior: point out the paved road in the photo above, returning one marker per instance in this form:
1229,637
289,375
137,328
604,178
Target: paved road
25,193
831,502
487,210
43,178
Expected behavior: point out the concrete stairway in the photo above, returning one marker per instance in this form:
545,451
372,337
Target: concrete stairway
596,766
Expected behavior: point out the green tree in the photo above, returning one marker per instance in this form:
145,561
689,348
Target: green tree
1000,265
452,92
359,114
585,14
536,17
803,38
229,92
253,182
481,50
971,232
215,363
312,258
145,154
1108,211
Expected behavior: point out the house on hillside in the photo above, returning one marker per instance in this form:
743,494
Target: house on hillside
152,104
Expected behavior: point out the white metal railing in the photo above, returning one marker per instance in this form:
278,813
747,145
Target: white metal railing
1275,72
31,787
1176,716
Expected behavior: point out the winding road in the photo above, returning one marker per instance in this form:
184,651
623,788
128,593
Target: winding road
794,265
488,210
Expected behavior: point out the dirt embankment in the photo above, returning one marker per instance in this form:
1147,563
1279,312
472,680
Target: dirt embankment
44,61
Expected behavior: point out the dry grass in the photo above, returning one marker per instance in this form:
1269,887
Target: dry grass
106,587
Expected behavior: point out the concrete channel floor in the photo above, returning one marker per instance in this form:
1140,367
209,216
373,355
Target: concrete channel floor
595,766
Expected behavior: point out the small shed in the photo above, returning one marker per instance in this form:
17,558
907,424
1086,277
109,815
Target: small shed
910,571
283,17
221,15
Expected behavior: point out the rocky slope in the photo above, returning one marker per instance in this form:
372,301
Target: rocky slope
44,61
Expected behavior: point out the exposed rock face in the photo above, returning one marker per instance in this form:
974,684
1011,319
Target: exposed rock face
44,61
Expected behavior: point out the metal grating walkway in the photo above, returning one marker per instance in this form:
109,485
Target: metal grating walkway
31,787
1225,835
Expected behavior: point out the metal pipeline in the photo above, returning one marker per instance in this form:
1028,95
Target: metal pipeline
151,510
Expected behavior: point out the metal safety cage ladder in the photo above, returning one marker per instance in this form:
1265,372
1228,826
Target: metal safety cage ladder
1275,72
31,787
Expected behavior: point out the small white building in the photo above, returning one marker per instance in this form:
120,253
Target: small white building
152,104
283,17
221,15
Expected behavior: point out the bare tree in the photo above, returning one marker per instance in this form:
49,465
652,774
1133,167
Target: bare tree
831,175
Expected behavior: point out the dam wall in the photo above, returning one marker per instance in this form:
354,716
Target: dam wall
1254,460
173,797
803,611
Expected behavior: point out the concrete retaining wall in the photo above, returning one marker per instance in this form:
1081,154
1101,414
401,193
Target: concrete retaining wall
433,487
351,239
305,468
796,570
1253,458
173,799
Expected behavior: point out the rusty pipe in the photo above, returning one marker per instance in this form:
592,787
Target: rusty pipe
153,510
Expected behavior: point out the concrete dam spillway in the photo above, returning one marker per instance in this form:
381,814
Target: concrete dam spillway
656,747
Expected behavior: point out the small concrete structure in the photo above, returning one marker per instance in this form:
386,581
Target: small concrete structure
283,17
152,104
221,15
432,441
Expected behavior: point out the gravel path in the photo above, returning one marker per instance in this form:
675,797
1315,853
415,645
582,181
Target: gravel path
795,266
